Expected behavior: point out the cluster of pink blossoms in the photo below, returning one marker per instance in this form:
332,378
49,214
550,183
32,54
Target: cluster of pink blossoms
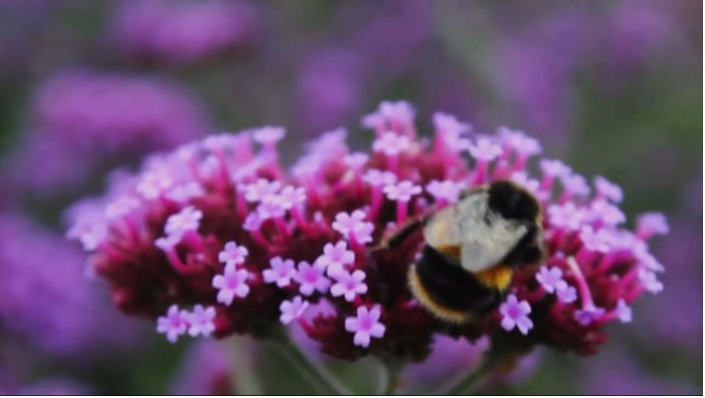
217,238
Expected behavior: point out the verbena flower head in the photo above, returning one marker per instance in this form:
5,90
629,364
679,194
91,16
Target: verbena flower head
182,32
241,267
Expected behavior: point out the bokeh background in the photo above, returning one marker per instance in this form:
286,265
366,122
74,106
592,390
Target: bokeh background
613,87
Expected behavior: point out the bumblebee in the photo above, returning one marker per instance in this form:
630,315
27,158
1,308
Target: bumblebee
472,248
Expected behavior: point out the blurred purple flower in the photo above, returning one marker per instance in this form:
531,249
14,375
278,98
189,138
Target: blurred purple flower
80,118
329,89
182,32
44,295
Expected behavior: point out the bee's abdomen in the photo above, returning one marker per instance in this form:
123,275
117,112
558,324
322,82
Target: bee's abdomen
449,291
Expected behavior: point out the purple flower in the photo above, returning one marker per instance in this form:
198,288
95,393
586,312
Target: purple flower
402,192
336,257
293,309
365,325
392,144
515,314
261,189
233,282
200,321
348,285
608,190
566,294
554,168
311,278
485,150
281,272
623,311
446,190
588,314
550,278
649,224
353,226
173,324
379,178
232,253
519,141
188,219
182,32
268,135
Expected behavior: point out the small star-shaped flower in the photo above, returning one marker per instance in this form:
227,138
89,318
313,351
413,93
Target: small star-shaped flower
233,282
293,309
349,285
335,257
391,144
201,321
280,272
650,281
173,324
233,254
649,224
549,278
365,325
402,192
624,313
576,184
588,314
554,168
445,190
352,225
567,216
252,222
484,149
519,141
311,278
609,190
260,189
595,241
378,178
188,219
566,293
515,314
291,196
268,135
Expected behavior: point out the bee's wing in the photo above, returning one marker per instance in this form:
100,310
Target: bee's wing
485,245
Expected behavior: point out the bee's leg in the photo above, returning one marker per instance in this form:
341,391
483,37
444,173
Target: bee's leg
400,235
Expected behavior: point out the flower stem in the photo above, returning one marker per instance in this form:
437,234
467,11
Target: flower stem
393,371
462,387
319,377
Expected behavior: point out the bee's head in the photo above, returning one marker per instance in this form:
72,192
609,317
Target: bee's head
513,202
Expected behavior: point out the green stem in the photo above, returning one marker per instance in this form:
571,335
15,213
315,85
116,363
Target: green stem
244,378
319,377
393,371
462,387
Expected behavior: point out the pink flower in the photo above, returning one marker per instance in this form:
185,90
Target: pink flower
649,224
173,324
519,141
281,272
515,314
554,168
588,314
233,282
233,254
446,190
379,178
624,313
311,278
392,144
268,135
188,219
260,189
365,325
484,149
353,226
566,294
336,257
608,190
550,278
200,321
293,309
402,192
348,285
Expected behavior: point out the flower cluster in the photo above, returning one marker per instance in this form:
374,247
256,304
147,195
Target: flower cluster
182,32
216,238
81,118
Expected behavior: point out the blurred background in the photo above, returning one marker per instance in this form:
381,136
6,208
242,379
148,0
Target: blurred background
613,87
